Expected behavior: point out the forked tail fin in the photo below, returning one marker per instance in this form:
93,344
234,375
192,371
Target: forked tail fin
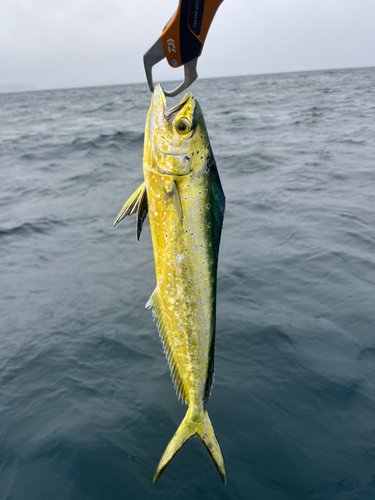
196,421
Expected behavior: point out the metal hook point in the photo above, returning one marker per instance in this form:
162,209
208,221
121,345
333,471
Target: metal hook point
154,55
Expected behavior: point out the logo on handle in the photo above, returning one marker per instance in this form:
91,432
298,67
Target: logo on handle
171,45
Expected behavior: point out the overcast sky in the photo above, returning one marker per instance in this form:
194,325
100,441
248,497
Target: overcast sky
73,43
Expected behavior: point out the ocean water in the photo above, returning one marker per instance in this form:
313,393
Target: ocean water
87,405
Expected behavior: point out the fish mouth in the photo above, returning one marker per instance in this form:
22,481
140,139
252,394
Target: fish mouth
164,134
170,114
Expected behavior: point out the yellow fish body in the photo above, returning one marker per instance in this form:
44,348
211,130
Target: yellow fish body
183,197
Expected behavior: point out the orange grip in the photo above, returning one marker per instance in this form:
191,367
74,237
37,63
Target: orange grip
185,34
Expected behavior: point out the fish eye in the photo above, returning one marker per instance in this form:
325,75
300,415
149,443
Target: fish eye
183,126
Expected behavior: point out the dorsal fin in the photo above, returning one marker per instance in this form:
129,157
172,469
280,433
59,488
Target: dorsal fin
211,368
164,335
218,208
218,205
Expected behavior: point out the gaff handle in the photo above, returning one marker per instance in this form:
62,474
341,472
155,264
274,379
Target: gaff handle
184,36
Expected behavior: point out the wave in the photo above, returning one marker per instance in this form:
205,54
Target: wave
367,353
41,226
107,107
118,140
59,148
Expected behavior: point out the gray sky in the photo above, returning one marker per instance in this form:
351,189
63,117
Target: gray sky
72,43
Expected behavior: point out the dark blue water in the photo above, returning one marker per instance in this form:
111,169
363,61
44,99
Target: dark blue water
87,405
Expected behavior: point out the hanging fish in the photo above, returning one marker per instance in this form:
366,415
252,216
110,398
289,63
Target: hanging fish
183,197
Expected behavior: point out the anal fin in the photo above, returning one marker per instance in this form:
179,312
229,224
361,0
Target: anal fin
165,336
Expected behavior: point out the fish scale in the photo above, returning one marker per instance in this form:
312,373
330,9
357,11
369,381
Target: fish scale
186,274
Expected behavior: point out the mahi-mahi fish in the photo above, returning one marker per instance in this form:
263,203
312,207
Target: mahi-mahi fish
183,197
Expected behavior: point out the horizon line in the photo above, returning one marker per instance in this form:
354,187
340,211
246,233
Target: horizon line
173,80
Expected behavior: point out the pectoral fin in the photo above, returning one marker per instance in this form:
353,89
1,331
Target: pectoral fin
142,211
173,191
136,203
